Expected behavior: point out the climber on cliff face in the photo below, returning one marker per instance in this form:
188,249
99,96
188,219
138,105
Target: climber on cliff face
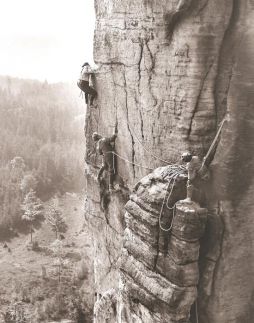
85,81
196,169
105,147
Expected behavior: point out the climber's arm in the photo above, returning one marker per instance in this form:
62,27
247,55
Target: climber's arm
112,138
99,149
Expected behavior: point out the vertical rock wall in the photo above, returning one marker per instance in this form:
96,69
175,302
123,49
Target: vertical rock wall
229,287
169,70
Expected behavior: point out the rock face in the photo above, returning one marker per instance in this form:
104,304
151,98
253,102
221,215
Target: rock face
161,248
169,72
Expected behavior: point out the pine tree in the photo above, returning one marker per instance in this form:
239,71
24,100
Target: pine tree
32,207
28,182
56,220
17,168
59,253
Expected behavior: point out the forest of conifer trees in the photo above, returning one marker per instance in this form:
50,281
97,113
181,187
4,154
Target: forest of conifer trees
41,143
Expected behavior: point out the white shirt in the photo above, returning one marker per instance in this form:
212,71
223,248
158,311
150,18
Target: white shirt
85,73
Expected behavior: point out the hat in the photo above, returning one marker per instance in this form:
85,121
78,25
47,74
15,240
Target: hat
85,64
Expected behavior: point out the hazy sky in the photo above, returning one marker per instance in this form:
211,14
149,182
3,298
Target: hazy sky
45,39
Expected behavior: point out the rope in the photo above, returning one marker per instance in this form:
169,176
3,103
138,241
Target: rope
168,229
148,151
170,193
163,207
196,310
166,161
138,165
145,167
175,174
114,164
214,142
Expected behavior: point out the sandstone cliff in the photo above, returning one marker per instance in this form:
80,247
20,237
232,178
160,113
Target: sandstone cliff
169,72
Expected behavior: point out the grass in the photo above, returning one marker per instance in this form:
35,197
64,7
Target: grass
22,271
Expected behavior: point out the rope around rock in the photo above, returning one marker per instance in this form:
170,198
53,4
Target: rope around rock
174,177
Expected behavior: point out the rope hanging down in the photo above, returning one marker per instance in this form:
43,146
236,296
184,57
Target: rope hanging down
173,178
162,207
196,311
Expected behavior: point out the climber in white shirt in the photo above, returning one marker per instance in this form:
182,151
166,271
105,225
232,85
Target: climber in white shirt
84,83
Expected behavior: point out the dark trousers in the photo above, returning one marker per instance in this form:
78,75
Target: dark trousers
84,86
109,166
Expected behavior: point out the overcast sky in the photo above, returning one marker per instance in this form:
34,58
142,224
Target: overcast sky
45,39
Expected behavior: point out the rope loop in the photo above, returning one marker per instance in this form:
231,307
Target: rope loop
173,178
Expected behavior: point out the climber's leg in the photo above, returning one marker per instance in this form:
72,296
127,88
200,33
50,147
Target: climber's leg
89,90
103,167
93,94
111,178
190,190
84,86
86,98
109,162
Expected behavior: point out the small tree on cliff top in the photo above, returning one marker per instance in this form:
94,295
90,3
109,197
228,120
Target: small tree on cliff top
32,207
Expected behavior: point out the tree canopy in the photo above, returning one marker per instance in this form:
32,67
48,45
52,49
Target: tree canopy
42,145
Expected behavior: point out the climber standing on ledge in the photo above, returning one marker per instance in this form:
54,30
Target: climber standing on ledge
195,169
83,83
105,147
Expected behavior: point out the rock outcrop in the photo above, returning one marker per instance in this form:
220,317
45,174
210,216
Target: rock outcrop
169,72
161,248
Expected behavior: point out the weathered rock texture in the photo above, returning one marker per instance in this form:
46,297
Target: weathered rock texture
159,269
169,71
